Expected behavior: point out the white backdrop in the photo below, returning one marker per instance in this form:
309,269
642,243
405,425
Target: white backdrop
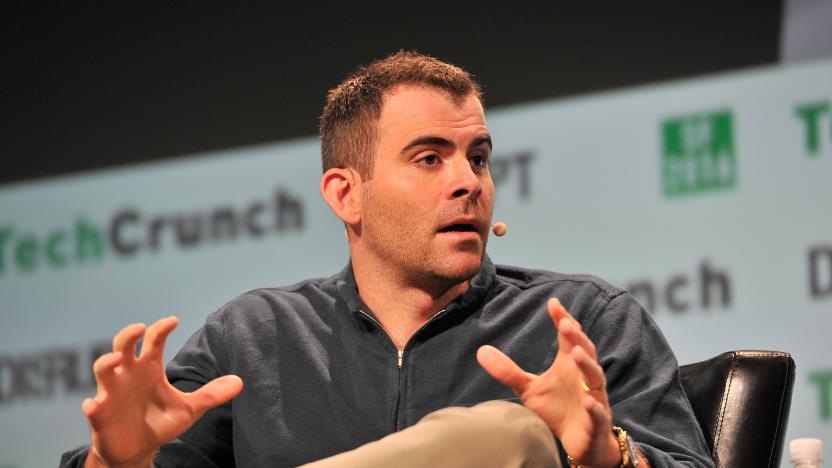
706,198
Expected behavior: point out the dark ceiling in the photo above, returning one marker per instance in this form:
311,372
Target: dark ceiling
108,84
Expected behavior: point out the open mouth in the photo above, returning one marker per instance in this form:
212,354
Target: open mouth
459,228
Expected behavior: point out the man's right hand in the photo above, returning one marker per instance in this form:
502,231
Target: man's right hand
136,409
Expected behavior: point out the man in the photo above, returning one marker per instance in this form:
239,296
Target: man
332,364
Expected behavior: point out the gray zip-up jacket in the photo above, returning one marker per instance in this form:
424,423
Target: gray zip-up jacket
321,376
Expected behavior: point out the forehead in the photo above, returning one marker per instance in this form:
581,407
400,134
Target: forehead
410,110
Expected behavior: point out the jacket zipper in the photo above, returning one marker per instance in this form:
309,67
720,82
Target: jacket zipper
399,361
400,355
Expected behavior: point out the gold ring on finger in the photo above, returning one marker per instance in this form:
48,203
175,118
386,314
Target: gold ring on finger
589,389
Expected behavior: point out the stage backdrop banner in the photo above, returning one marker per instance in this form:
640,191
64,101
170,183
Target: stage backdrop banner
705,198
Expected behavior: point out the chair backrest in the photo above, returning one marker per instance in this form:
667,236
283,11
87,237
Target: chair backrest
741,400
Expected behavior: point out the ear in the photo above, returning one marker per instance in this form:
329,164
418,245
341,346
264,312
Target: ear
341,189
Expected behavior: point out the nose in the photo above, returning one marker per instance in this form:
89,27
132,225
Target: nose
464,181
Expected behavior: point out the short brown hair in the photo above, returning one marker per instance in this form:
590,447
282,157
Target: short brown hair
348,122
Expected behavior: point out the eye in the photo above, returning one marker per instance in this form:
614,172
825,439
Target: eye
479,161
430,160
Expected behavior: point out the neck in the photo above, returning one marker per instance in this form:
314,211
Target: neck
401,304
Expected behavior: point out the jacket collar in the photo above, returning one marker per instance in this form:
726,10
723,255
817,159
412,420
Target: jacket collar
479,286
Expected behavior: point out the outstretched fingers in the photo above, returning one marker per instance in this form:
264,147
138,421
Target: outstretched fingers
570,332
215,392
104,369
90,409
125,342
593,375
600,417
503,369
557,311
153,346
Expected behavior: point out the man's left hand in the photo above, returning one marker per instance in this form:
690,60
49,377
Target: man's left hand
570,396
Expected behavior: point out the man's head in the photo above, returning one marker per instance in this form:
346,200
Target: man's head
424,213
348,123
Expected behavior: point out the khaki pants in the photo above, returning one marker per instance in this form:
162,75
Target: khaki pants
495,433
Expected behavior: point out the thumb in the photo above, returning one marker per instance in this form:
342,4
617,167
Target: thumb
503,369
215,392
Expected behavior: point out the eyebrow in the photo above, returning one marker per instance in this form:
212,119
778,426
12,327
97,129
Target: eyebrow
432,140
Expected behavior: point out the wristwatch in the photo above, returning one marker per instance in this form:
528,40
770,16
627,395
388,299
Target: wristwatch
629,457
629,454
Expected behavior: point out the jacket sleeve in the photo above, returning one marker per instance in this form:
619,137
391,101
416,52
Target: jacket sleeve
644,386
74,458
209,441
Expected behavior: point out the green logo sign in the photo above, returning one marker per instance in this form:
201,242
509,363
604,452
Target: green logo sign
698,154
131,231
811,115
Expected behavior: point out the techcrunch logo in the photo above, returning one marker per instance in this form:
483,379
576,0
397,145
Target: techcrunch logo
130,231
698,153
815,117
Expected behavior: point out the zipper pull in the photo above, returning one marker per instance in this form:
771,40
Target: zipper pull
401,357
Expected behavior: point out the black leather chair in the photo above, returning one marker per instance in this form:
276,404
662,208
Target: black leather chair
741,400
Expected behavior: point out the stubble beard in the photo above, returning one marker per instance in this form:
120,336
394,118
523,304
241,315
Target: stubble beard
437,270
403,244
442,271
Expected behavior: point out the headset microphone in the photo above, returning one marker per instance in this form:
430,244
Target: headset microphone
499,229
